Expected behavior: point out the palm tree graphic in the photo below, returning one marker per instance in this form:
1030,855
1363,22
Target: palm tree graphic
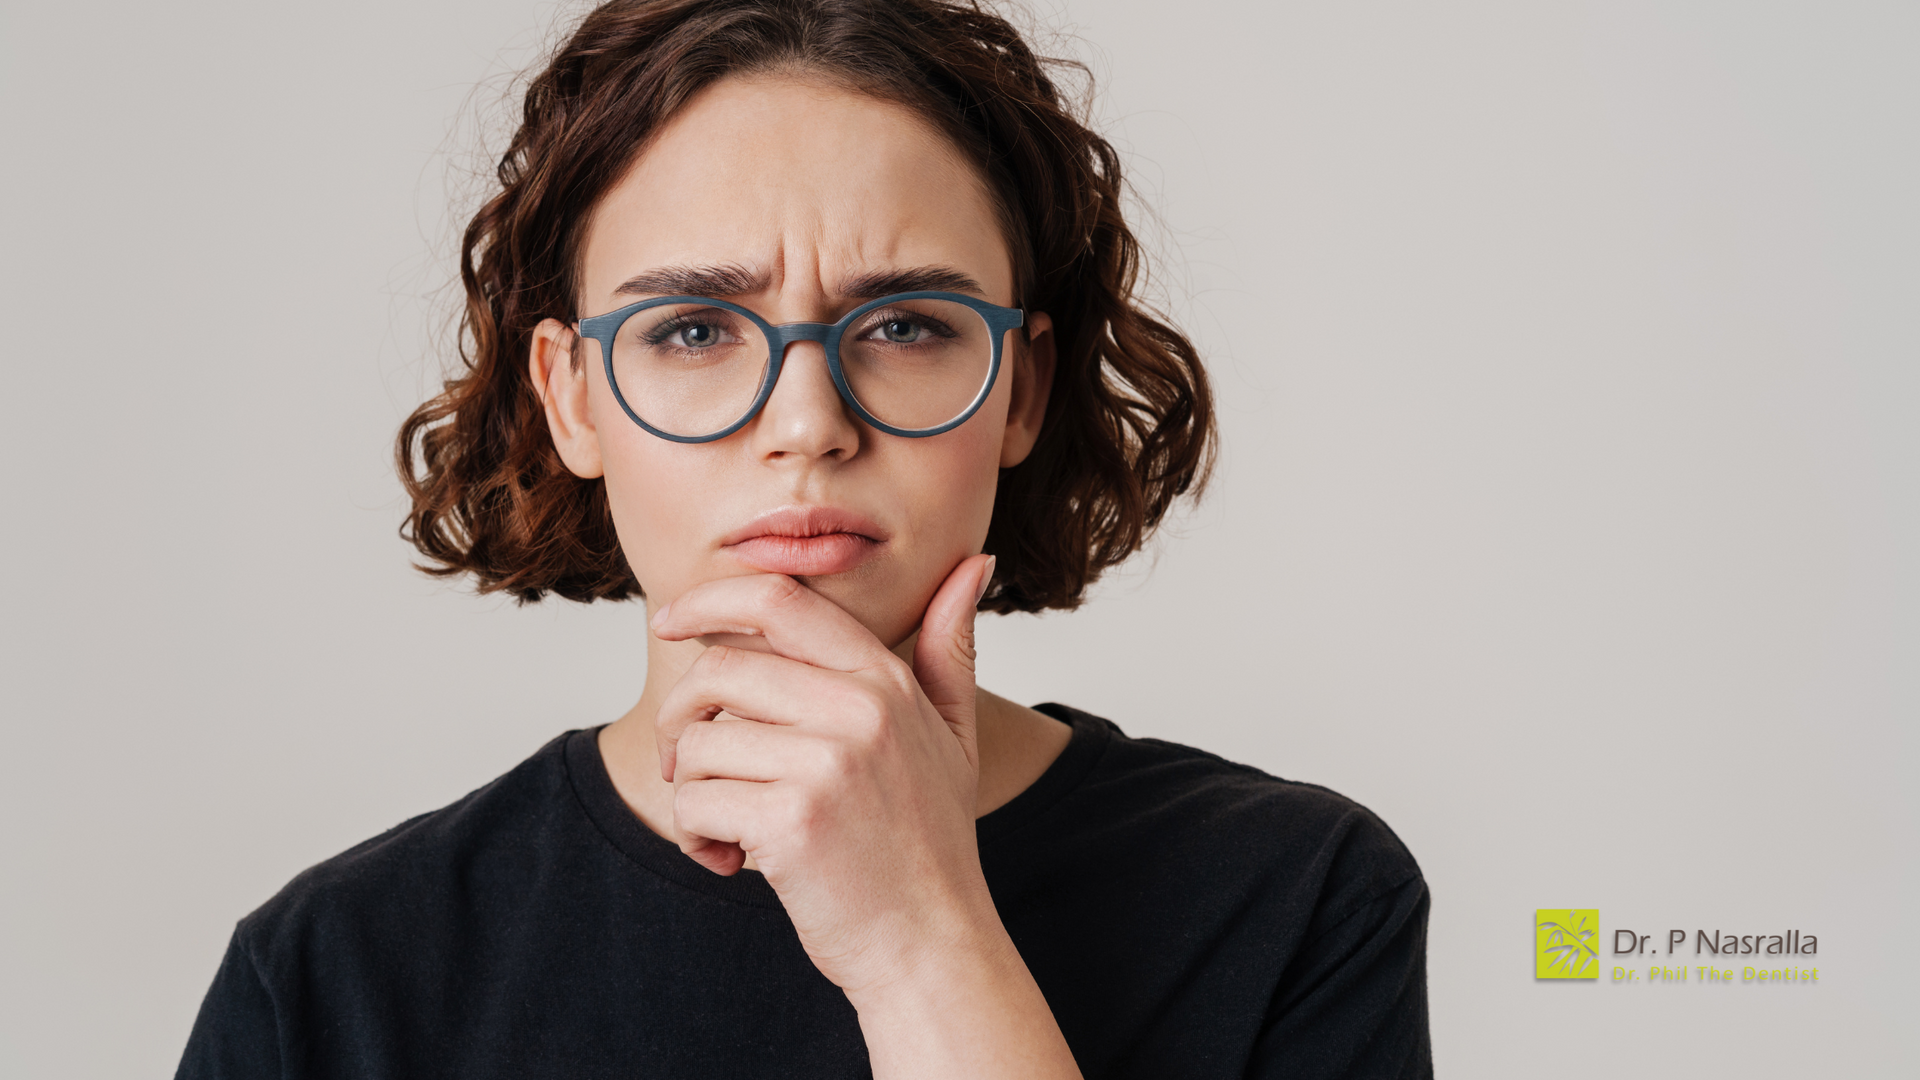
1570,944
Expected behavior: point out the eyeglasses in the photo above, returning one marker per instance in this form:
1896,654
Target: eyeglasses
693,369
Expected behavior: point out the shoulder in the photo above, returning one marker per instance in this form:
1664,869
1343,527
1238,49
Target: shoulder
370,890
1185,807
1193,893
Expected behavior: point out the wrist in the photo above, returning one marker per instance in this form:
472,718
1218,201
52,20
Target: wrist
959,936
968,1009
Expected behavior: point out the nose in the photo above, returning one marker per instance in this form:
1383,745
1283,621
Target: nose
805,418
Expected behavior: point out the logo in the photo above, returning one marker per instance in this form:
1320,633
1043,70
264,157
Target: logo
1566,943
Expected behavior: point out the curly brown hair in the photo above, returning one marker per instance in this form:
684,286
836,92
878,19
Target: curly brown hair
1129,427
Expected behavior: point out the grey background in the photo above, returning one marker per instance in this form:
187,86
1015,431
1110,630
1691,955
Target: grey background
1567,363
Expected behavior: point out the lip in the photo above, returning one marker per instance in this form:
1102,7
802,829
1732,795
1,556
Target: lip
805,541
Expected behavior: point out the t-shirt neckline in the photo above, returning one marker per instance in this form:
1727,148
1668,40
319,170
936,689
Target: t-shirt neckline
594,791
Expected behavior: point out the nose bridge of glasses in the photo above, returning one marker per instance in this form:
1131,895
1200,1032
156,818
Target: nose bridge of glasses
794,333
787,334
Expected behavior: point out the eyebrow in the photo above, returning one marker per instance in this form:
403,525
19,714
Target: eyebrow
912,279
734,280
715,281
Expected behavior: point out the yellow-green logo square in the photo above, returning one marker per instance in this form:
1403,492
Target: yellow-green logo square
1566,943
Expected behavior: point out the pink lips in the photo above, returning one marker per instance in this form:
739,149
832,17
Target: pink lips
805,540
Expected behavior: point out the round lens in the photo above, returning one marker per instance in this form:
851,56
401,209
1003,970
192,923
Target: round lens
917,364
689,369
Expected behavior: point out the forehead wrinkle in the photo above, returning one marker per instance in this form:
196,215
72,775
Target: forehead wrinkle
827,238
888,254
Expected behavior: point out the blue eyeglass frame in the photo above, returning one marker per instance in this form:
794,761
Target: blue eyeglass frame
999,320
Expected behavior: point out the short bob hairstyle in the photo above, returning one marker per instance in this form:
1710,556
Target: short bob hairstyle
1128,429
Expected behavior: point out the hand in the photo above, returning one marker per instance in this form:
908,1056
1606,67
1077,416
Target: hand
848,776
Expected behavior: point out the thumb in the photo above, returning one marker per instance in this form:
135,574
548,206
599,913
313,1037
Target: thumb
943,654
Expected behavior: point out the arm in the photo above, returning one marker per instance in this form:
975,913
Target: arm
237,1035
851,778
973,1012
1354,1001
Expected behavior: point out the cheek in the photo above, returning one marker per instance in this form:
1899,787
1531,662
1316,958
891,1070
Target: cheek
954,483
951,480
656,490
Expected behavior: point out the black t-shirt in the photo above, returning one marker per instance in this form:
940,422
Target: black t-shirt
1185,917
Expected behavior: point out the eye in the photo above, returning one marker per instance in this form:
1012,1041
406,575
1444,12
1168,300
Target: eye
900,327
695,335
694,331
901,331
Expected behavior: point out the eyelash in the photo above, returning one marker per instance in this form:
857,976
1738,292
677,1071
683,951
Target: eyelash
659,334
931,324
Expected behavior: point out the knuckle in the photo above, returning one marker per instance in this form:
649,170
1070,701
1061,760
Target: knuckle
803,814
837,761
899,679
715,660
869,728
692,739
686,803
962,653
776,592
867,708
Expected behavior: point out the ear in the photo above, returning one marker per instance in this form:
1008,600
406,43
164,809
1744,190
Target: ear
1032,385
559,376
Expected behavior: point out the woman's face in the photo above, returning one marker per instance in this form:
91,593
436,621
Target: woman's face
793,199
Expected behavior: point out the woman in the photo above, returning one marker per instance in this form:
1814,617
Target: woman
811,322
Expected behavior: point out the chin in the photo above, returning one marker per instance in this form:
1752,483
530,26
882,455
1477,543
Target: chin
888,611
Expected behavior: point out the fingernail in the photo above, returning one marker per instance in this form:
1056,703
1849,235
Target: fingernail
986,579
660,616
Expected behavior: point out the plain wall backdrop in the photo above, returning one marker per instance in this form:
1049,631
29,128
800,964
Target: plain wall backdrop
1567,357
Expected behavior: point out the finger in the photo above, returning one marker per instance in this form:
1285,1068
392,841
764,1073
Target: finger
714,815
752,686
719,856
943,656
745,750
795,621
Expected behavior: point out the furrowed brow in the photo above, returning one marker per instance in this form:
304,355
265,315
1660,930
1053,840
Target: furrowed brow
912,279
715,281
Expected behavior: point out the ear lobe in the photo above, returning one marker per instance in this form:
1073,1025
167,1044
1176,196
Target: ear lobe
1032,372
560,378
